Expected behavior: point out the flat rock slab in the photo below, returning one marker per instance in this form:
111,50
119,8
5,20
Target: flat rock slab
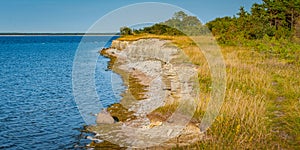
104,118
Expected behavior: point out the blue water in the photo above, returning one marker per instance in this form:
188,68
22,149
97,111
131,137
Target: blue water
37,108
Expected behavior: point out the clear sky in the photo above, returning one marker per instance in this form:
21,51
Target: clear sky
79,15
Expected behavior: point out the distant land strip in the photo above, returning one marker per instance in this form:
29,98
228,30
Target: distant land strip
57,34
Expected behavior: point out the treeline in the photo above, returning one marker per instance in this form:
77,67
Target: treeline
271,18
179,24
157,29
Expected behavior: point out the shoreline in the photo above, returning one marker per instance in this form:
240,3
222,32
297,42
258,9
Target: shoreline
155,71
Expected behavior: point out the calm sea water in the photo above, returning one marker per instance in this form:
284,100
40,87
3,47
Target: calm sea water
37,108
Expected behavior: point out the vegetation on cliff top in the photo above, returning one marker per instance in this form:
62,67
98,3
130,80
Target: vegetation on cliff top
271,27
179,24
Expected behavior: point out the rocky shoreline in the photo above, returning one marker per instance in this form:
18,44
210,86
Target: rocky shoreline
157,74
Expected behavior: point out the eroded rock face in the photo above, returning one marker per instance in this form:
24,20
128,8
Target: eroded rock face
169,78
119,44
104,117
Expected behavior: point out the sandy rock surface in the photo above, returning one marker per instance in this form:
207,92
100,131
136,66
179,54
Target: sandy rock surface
169,78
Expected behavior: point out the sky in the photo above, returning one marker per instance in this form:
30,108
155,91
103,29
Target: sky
67,16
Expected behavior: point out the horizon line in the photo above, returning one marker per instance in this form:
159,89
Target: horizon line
58,33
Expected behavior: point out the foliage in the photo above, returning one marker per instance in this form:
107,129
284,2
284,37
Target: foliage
160,29
125,31
179,24
273,18
189,25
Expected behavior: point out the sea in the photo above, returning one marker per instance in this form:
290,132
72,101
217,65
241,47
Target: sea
37,106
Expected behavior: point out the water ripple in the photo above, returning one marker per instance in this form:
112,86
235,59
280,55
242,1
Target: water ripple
37,109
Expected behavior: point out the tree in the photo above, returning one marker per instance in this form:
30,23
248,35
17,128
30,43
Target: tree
243,13
125,31
190,25
260,22
191,21
180,15
292,11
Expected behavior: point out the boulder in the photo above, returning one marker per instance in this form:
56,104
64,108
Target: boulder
104,117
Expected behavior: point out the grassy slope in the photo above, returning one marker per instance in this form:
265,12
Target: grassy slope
262,104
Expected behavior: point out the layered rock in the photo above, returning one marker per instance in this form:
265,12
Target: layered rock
168,77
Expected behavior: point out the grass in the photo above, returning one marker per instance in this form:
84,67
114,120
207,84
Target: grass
249,116
248,119
261,109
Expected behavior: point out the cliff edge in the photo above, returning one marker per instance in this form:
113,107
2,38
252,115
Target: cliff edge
157,74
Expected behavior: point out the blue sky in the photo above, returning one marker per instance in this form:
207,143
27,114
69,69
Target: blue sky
80,15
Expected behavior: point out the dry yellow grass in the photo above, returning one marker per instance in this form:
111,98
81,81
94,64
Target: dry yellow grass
261,109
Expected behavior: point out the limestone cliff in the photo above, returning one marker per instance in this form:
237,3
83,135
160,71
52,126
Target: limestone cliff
165,77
